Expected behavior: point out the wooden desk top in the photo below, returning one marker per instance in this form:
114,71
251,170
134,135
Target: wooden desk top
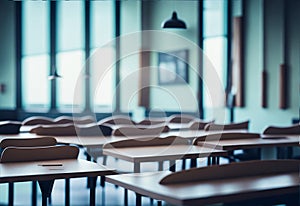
162,153
28,171
208,191
264,141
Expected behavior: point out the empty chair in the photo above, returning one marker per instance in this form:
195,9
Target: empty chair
294,129
25,142
28,154
152,121
63,120
153,141
10,127
117,120
198,124
231,135
181,118
57,129
232,126
154,130
35,120
288,130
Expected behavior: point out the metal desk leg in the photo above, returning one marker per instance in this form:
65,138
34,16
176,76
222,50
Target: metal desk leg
160,165
34,193
137,167
92,181
46,189
172,166
67,192
138,201
10,193
193,162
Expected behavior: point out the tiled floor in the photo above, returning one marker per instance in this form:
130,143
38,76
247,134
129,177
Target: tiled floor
107,196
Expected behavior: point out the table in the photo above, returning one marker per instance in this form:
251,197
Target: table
267,143
247,186
45,175
137,155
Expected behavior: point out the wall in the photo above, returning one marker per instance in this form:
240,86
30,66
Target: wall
7,55
264,32
173,97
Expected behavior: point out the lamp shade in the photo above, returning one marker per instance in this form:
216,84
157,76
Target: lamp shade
174,22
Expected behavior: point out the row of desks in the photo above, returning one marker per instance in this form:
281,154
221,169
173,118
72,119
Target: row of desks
137,155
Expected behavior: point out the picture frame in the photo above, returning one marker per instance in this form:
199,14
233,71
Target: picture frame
173,67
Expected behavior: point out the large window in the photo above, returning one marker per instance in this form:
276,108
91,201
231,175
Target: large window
102,56
81,27
215,48
70,54
35,55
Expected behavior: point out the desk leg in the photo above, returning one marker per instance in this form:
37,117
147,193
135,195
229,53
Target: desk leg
34,193
46,189
125,197
10,193
67,192
138,200
92,181
183,164
137,167
268,153
193,162
172,166
160,166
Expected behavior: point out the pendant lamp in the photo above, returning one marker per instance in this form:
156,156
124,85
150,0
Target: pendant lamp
174,22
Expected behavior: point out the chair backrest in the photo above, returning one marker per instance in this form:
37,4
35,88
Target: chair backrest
93,130
117,120
57,129
63,120
27,142
233,126
294,129
28,154
198,124
152,121
10,127
154,130
225,136
140,142
84,120
233,170
35,120
181,118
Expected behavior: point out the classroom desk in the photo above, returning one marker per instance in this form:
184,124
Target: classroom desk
267,143
249,188
137,155
45,175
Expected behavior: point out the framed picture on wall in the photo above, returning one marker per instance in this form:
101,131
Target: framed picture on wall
173,67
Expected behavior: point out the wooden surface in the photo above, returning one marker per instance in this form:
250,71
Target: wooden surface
161,153
209,191
29,171
264,141
99,141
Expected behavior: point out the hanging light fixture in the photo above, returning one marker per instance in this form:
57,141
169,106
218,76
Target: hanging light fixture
53,74
174,22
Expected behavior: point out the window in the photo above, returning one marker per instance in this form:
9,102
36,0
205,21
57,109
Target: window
215,48
76,24
35,60
70,54
102,56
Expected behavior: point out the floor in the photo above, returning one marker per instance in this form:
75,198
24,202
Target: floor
107,196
